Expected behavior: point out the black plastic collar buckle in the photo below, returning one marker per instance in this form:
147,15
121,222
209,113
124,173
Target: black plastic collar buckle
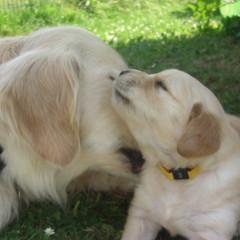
180,173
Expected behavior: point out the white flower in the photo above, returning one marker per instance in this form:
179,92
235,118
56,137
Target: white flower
49,231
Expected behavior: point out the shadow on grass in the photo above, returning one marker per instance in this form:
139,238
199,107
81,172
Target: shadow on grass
212,58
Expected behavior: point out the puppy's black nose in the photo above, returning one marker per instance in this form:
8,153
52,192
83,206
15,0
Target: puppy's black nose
124,72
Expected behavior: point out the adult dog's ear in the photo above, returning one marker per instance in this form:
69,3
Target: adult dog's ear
39,100
201,136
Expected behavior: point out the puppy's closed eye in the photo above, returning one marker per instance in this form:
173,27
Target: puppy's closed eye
160,84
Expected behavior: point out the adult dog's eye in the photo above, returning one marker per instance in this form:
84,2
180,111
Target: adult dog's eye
160,84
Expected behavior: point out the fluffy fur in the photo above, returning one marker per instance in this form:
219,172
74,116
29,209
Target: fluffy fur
57,124
183,125
56,117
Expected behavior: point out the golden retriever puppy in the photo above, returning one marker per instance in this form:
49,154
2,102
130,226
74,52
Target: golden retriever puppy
190,182
56,117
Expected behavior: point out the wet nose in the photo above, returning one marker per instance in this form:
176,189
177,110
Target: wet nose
124,72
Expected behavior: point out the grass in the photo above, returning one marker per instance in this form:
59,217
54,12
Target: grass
151,35
91,216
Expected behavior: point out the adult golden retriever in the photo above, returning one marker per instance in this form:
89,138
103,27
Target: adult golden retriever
56,117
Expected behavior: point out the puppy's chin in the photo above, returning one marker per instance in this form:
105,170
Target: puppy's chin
119,97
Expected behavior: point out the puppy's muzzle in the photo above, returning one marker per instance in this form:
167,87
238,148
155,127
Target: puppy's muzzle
121,87
125,84
125,81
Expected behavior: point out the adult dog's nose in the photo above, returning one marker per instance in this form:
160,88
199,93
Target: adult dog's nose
124,72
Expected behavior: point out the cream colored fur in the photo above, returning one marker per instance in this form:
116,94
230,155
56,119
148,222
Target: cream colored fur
56,117
235,121
179,123
57,124
10,48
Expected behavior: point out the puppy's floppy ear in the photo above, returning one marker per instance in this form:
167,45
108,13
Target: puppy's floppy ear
40,100
201,136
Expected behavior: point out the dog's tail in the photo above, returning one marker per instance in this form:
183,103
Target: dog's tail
10,48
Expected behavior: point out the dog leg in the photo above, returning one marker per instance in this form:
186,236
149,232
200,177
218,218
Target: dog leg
114,164
209,236
211,233
139,226
8,202
100,181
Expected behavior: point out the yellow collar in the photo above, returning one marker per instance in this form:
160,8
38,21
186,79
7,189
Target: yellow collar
180,173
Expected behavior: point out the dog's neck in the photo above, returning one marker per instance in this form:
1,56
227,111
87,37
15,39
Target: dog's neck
156,155
180,173
174,167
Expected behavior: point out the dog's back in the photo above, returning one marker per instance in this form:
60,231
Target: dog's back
56,118
10,47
